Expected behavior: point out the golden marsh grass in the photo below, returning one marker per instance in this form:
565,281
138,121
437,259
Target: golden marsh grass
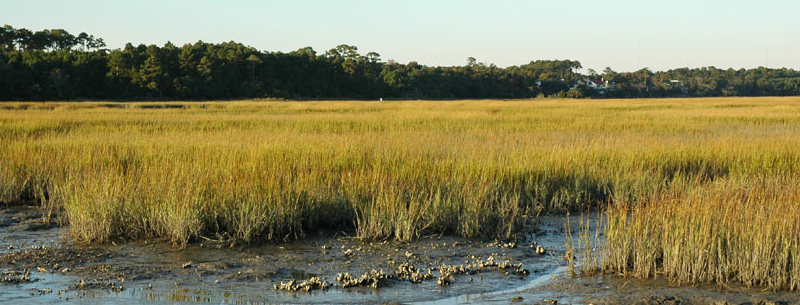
697,189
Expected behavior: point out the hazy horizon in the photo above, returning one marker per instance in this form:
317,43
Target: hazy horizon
624,35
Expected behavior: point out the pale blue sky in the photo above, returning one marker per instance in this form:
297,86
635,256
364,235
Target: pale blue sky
622,34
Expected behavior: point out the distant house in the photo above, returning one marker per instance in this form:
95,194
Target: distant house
675,84
599,86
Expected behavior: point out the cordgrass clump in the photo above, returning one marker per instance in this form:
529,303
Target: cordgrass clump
738,230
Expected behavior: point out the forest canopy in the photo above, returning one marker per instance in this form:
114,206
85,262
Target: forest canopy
57,65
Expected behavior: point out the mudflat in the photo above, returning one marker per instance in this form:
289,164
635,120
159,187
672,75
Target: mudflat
44,265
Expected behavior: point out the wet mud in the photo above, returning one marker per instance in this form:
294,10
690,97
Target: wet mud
39,264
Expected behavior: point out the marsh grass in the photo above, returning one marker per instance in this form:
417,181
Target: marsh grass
738,230
697,189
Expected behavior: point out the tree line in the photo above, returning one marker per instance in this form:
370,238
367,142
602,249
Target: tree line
56,65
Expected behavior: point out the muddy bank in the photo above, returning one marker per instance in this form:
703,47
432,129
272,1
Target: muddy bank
42,265
24,218
620,290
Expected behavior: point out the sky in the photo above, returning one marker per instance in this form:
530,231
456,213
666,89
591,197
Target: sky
621,34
